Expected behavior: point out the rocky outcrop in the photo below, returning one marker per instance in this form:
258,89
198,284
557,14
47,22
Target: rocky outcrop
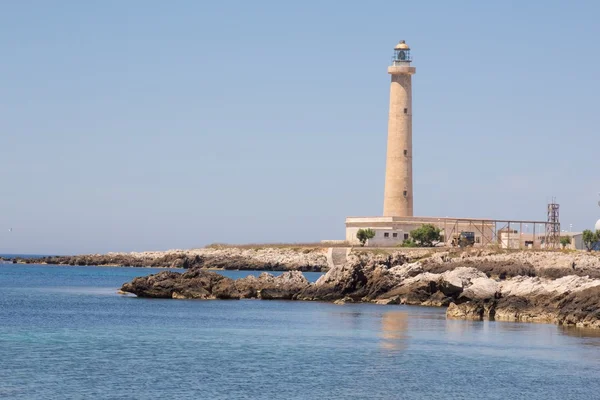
567,306
229,258
473,285
362,278
207,285
509,264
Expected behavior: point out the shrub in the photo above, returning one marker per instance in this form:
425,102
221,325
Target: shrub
565,241
408,243
426,235
365,234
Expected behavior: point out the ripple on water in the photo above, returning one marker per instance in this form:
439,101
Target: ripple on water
70,335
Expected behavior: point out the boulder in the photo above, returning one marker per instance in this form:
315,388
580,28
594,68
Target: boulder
343,301
438,299
481,289
472,311
362,277
392,300
284,287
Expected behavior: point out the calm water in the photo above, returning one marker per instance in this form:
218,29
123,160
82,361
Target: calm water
65,333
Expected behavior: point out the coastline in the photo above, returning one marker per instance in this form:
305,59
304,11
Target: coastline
561,287
476,284
259,258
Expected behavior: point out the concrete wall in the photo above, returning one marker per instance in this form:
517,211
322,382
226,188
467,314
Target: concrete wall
511,240
516,240
577,242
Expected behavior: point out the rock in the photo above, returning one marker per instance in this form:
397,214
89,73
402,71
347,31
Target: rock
438,299
462,276
205,285
392,300
161,285
363,276
233,258
471,311
344,301
284,287
450,287
581,309
440,258
194,284
414,291
480,289
526,286
424,288
407,270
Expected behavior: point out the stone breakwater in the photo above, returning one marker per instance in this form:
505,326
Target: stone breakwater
230,258
561,288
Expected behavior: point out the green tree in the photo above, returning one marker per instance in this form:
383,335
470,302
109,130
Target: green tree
365,234
426,235
590,239
565,241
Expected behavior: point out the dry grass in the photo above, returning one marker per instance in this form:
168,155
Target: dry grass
259,246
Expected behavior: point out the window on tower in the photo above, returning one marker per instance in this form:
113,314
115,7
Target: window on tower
405,152
406,111
405,193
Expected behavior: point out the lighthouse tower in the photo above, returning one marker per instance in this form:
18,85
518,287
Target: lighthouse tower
398,197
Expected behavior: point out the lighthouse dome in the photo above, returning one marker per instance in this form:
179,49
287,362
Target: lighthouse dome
402,46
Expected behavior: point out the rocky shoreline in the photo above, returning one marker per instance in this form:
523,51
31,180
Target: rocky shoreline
549,287
229,258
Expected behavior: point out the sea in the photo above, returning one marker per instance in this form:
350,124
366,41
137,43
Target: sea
65,333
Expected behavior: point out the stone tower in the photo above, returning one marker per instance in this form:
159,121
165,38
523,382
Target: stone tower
398,197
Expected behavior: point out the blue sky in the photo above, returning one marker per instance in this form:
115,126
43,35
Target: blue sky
141,125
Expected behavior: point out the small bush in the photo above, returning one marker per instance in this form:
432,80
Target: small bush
565,241
365,234
408,243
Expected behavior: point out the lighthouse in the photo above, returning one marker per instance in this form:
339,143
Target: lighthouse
398,222
398,195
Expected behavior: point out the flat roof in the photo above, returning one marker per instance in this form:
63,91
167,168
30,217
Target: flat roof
434,219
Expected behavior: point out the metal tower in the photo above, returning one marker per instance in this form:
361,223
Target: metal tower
553,226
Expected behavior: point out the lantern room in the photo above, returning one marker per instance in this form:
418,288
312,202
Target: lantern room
401,54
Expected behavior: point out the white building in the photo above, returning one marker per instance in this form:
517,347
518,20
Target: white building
392,231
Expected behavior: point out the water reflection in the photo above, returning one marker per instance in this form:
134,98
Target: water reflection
585,333
83,290
353,320
457,329
394,327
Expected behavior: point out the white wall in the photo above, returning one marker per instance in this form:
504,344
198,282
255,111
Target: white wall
381,239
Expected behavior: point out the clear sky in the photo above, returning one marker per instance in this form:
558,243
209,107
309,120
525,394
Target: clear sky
147,125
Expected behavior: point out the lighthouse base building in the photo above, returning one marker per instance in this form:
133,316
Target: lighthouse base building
393,231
